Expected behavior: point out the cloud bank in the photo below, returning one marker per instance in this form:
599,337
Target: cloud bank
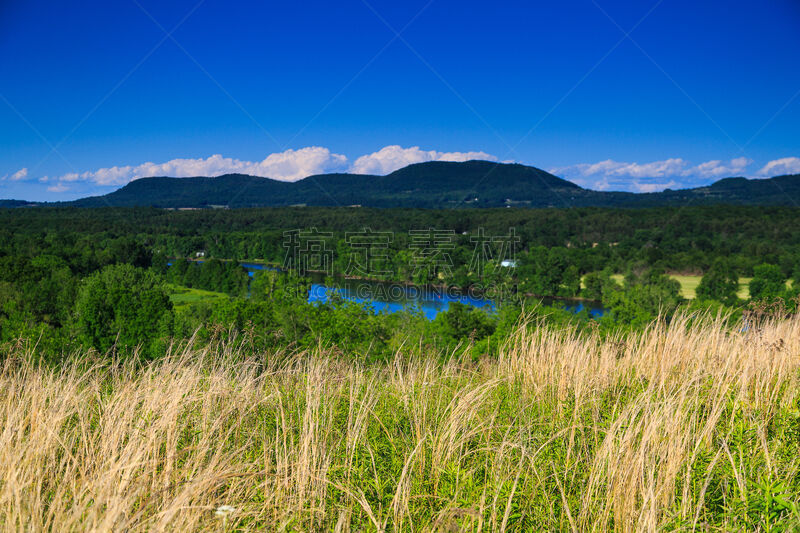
787,165
391,158
290,165
656,175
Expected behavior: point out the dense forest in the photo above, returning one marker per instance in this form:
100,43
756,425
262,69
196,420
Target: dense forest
114,277
687,239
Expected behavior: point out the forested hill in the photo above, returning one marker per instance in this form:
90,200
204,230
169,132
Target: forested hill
433,185
15,203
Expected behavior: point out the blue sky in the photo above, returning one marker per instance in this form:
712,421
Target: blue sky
614,95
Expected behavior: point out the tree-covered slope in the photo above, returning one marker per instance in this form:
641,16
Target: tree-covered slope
433,184
14,203
230,189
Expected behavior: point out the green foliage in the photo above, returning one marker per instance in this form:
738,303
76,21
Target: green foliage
596,283
212,275
771,506
284,287
592,239
160,263
701,310
128,250
644,296
768,283
182,296
548,272
720,283
124,306
462,323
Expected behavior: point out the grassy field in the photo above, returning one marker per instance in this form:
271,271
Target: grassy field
689,285
180,296
680,427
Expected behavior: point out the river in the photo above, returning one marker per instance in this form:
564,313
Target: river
393,297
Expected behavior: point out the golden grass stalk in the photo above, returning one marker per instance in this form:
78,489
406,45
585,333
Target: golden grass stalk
669,428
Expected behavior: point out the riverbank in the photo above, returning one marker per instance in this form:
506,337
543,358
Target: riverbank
321,277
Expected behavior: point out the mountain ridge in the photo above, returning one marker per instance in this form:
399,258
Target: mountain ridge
434,184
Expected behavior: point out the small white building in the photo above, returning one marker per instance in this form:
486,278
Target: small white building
508,263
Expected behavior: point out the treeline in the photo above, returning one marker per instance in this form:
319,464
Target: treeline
228,277
681,240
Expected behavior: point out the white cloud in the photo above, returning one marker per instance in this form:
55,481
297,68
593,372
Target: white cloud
58,187
19,175
777,167
654,187
624,176
719,169
611,168
650,177
601,184
391,158
290,165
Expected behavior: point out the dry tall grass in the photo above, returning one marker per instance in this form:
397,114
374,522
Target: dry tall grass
672,428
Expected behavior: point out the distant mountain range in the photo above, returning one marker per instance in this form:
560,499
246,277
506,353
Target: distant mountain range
429,185
15,203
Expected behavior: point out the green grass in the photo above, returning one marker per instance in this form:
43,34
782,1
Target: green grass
744,288
182,296
689,285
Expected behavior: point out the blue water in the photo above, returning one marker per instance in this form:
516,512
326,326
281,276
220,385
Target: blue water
594,311
393,297
252,267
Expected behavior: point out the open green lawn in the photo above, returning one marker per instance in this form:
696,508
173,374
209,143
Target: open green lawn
180,296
